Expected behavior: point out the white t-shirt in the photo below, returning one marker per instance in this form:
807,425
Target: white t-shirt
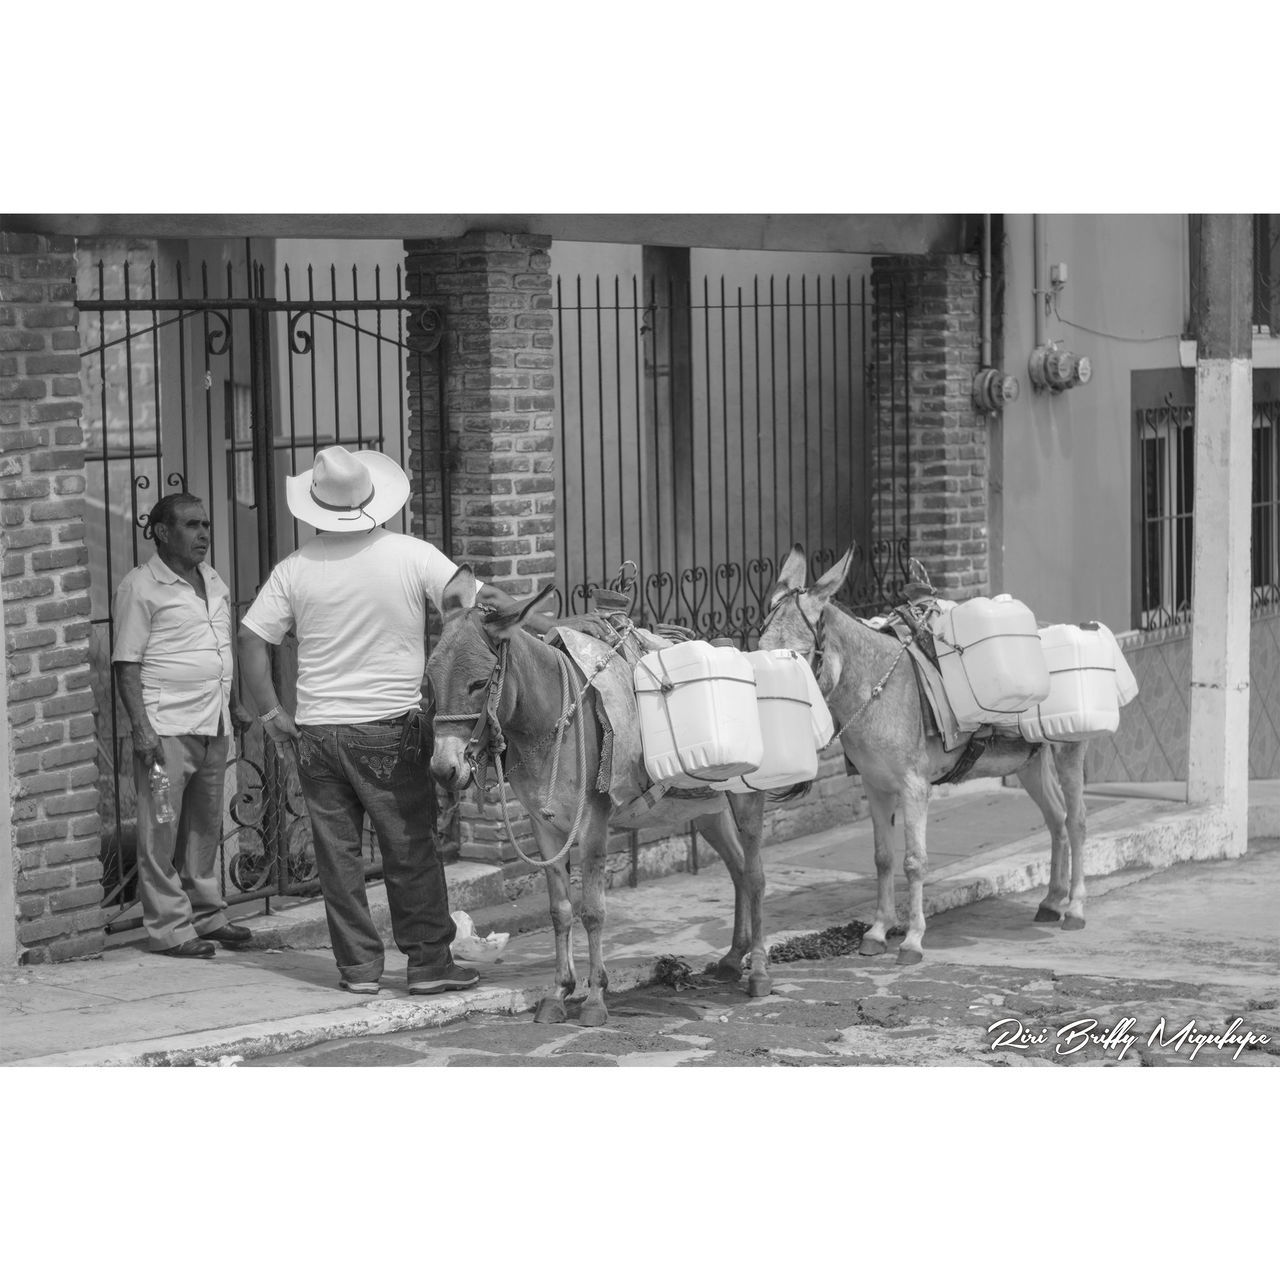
358,603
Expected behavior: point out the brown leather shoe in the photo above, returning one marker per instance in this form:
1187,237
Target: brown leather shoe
230,935
192,949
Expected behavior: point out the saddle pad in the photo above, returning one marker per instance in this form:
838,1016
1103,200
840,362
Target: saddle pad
610,672
933,693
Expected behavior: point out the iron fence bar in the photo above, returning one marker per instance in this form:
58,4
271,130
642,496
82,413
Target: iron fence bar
617,389
645,480
586,563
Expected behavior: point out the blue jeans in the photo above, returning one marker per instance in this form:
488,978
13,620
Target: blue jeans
348,771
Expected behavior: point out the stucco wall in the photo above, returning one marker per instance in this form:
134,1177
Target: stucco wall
1066,458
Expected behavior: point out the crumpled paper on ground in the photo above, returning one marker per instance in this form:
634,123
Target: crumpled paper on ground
469,945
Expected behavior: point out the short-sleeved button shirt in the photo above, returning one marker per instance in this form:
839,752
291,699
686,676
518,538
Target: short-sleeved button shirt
182,643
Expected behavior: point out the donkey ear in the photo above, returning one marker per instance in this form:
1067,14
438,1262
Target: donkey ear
791,577
833,579
502,622
459,592
541,603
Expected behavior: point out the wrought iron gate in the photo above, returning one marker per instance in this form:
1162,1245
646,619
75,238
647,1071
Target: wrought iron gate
221,390
704,431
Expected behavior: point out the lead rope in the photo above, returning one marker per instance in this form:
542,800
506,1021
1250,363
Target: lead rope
567,713
876,690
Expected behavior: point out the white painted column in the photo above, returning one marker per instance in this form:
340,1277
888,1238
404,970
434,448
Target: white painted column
1218,750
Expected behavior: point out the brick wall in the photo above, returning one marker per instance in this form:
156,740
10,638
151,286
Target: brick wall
929,305
52,747
494,291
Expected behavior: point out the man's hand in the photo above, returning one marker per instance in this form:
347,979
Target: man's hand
241,718
146,747
281,730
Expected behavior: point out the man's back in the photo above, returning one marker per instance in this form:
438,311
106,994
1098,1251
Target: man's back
358,604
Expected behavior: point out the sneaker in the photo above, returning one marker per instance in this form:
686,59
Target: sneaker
454,978
360,988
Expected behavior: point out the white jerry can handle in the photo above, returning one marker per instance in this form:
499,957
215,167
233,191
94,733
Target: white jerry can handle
819,713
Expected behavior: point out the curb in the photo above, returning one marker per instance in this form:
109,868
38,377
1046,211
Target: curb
1136,835
377,1015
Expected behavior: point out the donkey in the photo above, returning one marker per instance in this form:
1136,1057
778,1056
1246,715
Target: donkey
489,675
874,700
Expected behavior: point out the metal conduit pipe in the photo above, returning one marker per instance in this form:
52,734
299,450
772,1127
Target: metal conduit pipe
992,389
1037,276
985,361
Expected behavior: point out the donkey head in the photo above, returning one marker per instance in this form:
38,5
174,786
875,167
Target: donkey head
463,671
795,614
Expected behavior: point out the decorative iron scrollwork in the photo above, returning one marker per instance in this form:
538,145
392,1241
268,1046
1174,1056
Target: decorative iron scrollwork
217,342
300,342
426,327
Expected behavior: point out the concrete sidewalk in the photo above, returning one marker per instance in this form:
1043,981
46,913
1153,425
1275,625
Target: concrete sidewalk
131,1008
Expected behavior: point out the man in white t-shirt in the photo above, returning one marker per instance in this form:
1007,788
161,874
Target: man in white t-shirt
356,597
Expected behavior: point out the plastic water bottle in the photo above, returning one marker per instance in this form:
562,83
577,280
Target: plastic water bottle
160,794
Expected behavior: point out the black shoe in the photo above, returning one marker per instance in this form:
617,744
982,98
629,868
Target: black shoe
192,949
230,935
454,978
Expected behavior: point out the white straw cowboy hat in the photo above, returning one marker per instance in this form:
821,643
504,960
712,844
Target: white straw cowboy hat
348,492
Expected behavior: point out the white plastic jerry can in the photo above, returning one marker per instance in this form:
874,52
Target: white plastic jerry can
991,660
699,722
786,724
1126,682
1082,699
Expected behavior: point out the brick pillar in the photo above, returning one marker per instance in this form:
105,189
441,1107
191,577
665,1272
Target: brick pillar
493,290
52,758
927,346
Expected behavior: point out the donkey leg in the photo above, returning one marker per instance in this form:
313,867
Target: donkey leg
744,824
1040,780
592,844
550,1007
881,804
725,843
1070,763
915,865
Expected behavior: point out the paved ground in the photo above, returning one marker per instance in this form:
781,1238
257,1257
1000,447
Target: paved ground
986,845
1169,961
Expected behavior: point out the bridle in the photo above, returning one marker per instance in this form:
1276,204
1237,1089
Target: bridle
814,655
816,652
488,744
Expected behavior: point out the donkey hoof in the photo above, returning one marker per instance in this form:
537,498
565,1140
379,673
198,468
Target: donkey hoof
1073,922
549,1010
871,947
1047,915
593,1013
909,955
759,984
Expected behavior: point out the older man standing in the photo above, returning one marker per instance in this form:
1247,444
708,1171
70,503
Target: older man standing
356,597
172,659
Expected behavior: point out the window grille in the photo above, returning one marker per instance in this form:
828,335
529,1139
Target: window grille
1166,490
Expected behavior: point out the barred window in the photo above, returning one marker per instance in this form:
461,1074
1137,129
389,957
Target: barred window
1165,499
1166,455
